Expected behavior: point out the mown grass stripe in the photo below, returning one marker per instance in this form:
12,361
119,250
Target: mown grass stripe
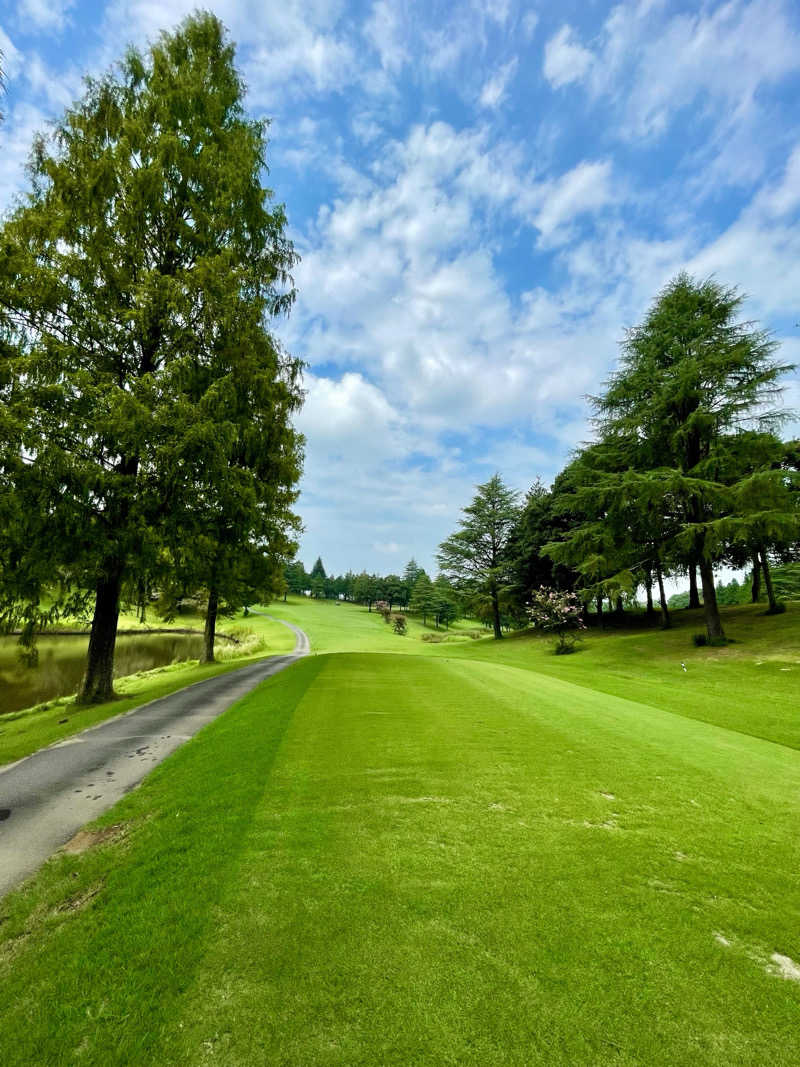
126,959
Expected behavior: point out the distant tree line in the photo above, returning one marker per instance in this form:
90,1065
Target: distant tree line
435,601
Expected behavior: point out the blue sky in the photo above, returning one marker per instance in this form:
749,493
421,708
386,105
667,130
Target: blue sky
484,196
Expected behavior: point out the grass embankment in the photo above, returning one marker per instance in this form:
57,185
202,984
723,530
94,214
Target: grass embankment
23,732
438,858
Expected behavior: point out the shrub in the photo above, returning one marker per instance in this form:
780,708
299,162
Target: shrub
383,609
400,626
559,614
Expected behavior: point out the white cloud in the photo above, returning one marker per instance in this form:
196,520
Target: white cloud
296,46
341,415
497,10
12,57
565,59
528,24
384,30
404,285
760,250
585,188
494,90
784,197
43,14
17,133
655,64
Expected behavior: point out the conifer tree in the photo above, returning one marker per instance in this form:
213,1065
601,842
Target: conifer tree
476,557
692,374
136,283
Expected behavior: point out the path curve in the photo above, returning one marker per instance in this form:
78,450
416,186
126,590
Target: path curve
48,796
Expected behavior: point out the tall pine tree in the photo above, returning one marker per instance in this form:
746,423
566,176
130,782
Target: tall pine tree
136,283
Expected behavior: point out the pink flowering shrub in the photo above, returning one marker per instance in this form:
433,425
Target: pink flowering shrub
559,614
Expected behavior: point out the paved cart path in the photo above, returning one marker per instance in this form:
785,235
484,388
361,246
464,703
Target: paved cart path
48,796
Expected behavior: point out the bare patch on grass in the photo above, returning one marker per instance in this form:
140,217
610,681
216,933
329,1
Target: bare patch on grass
608,796
607,824
419,800
784,967
86,839
80,900
721,939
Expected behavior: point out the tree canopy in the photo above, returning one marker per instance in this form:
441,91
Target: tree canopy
682,468
146,423
476,557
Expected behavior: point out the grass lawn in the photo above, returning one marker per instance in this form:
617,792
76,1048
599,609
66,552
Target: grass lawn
336,626
478,853
23,732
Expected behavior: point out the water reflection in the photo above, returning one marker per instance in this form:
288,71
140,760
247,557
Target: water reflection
62,661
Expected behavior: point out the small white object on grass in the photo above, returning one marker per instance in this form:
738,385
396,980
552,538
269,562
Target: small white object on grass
683,665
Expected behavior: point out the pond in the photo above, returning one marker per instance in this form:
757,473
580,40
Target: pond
62,661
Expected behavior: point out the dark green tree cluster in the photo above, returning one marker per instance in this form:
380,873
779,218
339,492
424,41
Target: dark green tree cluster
477,558
146,442
687,473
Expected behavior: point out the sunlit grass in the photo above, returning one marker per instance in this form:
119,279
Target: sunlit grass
389,859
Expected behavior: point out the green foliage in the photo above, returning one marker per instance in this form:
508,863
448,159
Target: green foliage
423,600
365,589
787,581
674,481
559,613
476,558
145,433
383,609
296,578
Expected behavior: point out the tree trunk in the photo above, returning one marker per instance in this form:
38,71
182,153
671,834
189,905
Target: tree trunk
619,608
755,590
599,605
773,603
211,625
713,620
498,632
98,683
648,589
666,621
142,606
694,596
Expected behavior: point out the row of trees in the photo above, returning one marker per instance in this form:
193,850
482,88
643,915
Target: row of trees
687,472
413,590
146,441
